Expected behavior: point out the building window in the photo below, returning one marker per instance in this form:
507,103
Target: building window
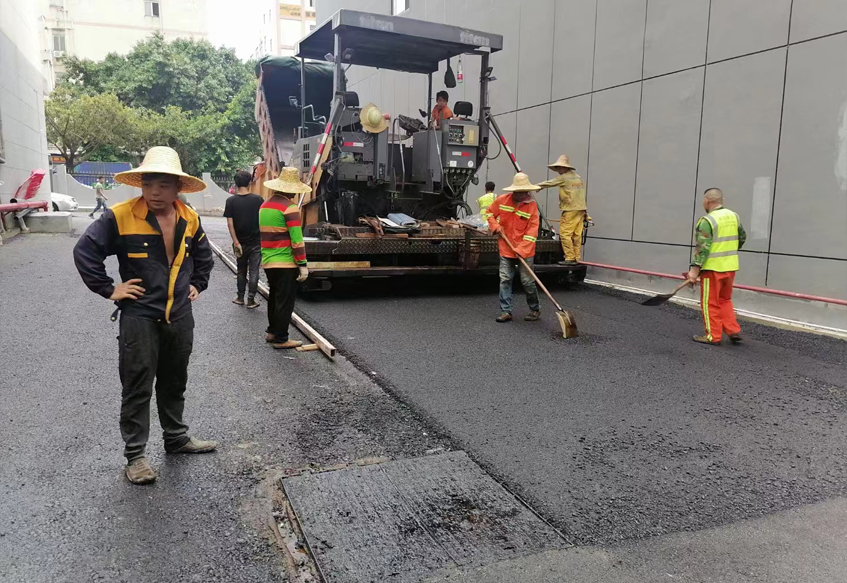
399,6
151,8
312,27
59,41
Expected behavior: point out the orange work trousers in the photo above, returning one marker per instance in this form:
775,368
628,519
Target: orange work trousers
716,303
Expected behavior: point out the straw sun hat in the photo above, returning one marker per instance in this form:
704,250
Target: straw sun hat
288,182
521,183
562,162
372,119
161,160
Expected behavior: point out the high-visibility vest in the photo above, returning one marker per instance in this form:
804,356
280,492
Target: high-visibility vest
723,255
484,202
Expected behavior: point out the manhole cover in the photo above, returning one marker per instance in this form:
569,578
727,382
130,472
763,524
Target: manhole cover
402,520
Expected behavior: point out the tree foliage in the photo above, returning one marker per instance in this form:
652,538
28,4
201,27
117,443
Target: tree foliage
186,94
77,125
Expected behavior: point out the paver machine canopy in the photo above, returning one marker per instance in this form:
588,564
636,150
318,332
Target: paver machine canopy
425,173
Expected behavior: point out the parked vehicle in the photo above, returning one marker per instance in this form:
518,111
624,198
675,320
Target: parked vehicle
63,202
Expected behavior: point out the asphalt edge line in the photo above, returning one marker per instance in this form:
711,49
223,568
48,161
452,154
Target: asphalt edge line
759,318
323,344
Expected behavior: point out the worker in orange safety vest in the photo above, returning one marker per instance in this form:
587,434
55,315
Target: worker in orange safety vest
515,215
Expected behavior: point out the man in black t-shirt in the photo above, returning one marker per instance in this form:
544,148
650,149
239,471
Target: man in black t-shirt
242,218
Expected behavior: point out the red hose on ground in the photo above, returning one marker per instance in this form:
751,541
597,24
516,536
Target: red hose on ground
754,288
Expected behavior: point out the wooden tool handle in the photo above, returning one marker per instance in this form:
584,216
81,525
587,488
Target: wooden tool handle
531,272
680,286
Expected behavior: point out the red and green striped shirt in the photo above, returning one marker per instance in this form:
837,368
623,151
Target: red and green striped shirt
282,233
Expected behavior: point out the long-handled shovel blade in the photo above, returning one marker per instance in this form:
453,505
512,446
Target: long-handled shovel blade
657,300
662,298
568,324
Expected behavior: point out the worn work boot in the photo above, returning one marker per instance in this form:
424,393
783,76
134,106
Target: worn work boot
533,316
139,472
705,340
504,317
195,445
269,337
252,304
238,301
735,338
569,262
288,344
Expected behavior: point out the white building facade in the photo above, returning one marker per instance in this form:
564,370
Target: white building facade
281,24
23,138
91,29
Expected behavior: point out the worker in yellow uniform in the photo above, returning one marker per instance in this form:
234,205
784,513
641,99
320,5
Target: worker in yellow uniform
719,236
486,199
573,207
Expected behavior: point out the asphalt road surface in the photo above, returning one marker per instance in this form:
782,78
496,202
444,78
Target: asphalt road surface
661,455
629,431
67,514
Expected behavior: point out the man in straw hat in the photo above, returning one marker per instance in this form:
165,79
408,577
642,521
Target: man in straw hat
518,218
283,253
573,207
165,261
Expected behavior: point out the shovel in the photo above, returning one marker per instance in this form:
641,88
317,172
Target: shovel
663,298
566,319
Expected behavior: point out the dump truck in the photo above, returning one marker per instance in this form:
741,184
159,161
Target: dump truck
362,181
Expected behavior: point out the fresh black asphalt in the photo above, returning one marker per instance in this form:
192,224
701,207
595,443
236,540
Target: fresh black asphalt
67,514
629,431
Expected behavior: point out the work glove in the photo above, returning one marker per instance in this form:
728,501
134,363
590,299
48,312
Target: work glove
496,228
237,250
304,273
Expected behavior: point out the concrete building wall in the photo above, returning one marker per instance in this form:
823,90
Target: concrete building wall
23,138
656,100
209,201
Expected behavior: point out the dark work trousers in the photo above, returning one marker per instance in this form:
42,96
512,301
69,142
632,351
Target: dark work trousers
248,270
283,291
151,349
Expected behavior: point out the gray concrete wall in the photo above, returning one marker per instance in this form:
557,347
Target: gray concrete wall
22,88
655,100
209,201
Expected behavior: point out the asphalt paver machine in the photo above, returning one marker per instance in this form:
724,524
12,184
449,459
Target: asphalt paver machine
364,166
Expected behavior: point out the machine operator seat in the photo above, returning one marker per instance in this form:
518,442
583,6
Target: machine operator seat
350,99
463,109
314,126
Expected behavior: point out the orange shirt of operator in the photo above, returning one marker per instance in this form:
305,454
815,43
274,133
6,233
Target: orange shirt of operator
441,111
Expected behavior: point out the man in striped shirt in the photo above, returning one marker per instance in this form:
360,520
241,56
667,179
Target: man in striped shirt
283,253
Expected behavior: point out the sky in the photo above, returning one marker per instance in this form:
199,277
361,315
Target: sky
234,23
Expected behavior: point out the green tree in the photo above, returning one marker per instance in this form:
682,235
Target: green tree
77,125
186,94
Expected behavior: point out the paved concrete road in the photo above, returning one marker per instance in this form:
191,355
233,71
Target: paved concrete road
66,512
631,430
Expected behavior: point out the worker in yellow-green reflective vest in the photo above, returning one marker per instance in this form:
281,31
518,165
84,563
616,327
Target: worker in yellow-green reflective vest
719,236
486,199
